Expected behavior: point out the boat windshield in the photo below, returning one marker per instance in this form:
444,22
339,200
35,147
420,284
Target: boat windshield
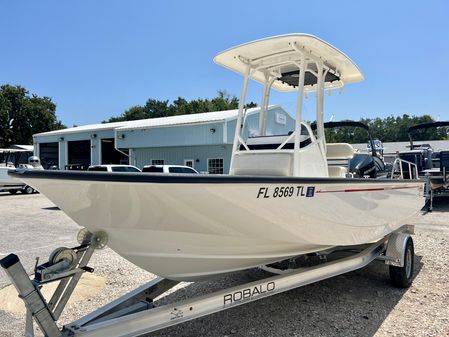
273,142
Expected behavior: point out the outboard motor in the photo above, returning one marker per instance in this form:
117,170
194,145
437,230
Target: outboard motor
366,165
361,165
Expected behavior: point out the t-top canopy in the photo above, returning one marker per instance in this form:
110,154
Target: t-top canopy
277,56
428,125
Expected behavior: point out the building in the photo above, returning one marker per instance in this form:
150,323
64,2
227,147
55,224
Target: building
203,141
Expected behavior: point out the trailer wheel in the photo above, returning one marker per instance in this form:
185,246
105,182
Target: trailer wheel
13,191
28,190
402,277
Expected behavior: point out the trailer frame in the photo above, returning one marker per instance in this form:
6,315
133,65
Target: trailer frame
135,313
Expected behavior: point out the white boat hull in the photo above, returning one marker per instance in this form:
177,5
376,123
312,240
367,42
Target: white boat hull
192,228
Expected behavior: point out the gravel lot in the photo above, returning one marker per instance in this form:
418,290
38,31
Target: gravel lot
360,303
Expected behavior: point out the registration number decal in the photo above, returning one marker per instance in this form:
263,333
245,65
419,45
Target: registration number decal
286,192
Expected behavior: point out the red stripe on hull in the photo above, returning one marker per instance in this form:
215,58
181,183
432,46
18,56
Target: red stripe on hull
368,189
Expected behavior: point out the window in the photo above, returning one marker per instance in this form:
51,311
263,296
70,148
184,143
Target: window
124,169
178,169
189,170
215,166
98,168
188,162
153,169
157,162
175,169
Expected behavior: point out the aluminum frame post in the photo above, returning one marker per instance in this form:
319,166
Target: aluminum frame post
146,292
264,107
320,101
321,75
302,71
29,326
238,125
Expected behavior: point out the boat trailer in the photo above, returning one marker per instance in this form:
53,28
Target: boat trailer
135,313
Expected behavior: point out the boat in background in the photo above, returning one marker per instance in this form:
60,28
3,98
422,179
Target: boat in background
281,199
432,165
10,159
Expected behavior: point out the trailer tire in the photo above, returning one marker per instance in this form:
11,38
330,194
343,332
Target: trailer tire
28,190
13,191
402,277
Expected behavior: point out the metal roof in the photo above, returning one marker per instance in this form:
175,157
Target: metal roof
199,118
205,117
84,128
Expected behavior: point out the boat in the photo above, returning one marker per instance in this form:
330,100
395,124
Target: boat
10,159
281,199
432,164
5,179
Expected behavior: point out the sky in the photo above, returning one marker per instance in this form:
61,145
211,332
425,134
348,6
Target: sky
95,59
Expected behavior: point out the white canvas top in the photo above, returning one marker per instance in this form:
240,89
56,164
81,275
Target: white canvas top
23,147
280,48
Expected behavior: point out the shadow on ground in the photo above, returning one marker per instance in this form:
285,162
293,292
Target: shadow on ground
51,208
441,204
353,304
15,195
6,194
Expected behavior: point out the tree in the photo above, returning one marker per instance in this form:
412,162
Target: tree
154,108
22,115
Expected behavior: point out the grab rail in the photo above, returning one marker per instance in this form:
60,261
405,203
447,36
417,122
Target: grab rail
401,175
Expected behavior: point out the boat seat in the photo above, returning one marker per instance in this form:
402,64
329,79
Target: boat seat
338,156
263,164
339,151
337,171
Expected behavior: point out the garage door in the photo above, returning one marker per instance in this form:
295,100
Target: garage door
79,153
49,154
109,155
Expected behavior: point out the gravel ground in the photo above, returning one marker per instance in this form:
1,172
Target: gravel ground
360,303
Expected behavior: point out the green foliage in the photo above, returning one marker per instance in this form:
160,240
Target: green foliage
389,129
22,115
180,106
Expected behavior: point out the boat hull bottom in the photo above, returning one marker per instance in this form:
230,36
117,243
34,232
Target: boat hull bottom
199,268
184,256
